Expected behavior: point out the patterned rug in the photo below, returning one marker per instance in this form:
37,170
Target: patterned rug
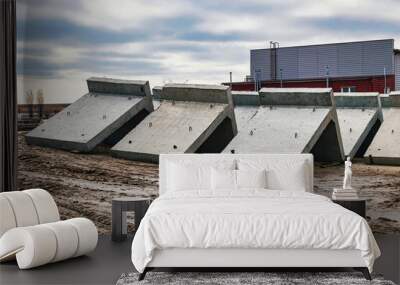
273,278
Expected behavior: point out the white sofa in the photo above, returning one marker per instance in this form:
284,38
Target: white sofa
31,231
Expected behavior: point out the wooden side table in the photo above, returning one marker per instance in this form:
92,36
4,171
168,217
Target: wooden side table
120,206
358,206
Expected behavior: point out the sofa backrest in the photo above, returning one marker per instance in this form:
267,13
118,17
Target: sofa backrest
273,161
26,208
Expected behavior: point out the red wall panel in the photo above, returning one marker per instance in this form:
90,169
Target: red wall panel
365,84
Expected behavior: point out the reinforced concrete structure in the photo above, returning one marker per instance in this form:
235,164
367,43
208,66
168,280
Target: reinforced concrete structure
156,96
105,114
190,119
246,106
360,116
385,147
289,120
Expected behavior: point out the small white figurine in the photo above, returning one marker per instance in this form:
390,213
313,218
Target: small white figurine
347,174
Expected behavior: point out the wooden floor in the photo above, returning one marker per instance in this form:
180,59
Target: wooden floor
111,259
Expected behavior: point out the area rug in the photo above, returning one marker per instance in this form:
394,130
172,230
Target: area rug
273,278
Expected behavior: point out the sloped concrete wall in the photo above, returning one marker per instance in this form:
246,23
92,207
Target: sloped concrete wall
110,107
385,147
290,120
360,116
190,118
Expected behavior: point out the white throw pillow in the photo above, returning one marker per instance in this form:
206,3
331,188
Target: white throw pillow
224,179
183,178
230,180
189,175
251,178
281,174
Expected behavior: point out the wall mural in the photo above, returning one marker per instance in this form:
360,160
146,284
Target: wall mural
93,118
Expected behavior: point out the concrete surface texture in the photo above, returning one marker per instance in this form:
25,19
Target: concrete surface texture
157,92
294,120
190,118
244,114
246,106
110,109
395,99
197,93
391,100
357,100
360,117
297,96
385,147
156,103
245,98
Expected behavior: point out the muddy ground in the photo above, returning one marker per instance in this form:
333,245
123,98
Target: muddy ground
84,184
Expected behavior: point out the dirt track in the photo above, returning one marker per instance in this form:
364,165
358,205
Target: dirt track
83,184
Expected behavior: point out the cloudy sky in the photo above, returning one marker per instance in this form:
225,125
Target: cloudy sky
63,42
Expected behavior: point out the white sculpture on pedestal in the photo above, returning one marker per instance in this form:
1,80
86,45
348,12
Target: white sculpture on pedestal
346,192
347,174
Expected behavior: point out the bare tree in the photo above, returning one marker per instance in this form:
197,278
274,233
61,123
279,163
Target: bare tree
40,101
29,102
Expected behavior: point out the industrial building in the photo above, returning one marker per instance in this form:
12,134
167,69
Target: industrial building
364,66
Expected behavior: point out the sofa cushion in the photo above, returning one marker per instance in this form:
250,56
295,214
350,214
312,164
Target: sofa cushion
7,220
45,206
23,208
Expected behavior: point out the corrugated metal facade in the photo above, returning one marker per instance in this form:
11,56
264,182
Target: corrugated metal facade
397,72
342,59
260,60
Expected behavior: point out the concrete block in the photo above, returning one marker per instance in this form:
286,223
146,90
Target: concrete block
395,99
296,97
185,122
385,147
391,100
287,123
386,101
96,117
357,100
358,127
197,93
360,116
157,92
245,98
117,86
